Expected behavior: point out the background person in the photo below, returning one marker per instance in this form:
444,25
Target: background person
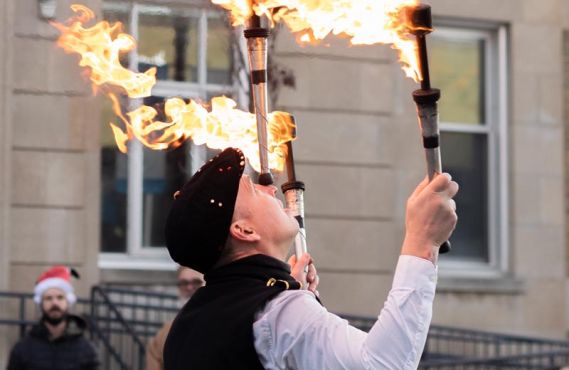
188,282
57,341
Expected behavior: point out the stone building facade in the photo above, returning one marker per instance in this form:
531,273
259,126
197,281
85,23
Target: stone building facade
358,152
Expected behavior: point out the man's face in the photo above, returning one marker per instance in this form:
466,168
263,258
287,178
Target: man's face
188,282
54,304
259,205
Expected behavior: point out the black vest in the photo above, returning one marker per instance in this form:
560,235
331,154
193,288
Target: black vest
214,330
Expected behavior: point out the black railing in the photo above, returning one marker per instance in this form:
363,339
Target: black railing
454,348
124,349
125,319
122,320
450,348
143,311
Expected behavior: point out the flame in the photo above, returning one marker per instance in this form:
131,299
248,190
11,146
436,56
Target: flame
100,48
364,22
222,127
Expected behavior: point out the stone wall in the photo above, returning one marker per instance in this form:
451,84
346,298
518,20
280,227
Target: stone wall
54,154
6,24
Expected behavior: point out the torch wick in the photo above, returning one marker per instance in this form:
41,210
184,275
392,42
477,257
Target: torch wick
422,24
424,62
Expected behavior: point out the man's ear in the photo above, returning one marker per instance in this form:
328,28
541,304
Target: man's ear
241,230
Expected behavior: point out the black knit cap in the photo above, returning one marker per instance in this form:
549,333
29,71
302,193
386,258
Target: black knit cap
198,224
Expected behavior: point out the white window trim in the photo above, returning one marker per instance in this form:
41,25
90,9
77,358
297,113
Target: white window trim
496,129
137,255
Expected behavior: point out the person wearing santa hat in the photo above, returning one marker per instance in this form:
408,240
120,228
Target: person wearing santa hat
258,312
57,341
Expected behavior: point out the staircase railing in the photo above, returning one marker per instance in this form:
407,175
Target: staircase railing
122,320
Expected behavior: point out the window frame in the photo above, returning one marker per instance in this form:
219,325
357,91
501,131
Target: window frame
137,255
495,127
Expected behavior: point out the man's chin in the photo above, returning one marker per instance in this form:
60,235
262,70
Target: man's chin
54,318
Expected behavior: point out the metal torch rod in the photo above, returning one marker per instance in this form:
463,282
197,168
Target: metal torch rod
294,197
426,98
257,51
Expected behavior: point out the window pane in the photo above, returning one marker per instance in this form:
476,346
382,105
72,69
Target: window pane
113,187
465,157
117,12
219,51
164,173
456,64
168,41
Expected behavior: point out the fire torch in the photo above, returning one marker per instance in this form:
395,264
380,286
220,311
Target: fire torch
426,97
293,191
257,51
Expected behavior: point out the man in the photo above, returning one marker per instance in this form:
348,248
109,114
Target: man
252,314
188,282
56,342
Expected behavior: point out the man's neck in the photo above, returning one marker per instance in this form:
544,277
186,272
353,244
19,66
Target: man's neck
56,331
240,251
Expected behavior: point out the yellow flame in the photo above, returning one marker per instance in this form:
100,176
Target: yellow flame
364,22
222,127
100,48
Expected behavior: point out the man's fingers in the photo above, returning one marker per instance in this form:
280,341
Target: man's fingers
440,182
452,204
311,273
314,284
312,278
444,185
422,185
292,261
452,189
299,265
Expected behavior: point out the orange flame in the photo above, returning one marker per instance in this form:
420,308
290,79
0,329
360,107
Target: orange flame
100,48
364,22
222,127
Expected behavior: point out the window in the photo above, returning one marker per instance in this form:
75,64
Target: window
469,66
191,49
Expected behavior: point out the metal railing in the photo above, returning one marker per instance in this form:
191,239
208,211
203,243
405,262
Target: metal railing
122,320
450,348
454,348
125,319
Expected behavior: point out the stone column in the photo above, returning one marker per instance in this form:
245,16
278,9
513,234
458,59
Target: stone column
6,35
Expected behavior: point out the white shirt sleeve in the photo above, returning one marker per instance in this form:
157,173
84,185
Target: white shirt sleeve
294,331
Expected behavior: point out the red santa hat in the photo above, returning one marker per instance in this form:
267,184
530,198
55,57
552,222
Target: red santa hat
56,277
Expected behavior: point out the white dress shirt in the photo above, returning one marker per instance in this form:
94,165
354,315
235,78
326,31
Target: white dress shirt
294,331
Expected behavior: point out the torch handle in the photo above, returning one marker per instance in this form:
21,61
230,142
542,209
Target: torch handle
257,39
294,199
428,114
293,191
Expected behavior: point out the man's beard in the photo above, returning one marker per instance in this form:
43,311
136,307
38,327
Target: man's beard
54,320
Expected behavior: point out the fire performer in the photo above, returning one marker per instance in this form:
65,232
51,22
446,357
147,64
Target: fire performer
257,312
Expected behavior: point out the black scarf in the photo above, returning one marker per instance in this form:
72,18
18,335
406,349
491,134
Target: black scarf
214,330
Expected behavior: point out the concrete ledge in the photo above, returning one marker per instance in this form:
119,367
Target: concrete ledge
504,285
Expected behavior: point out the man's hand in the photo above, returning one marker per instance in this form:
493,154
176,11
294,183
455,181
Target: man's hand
308,280
431,217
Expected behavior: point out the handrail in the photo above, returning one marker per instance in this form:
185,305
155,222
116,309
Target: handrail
121,320
119,316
